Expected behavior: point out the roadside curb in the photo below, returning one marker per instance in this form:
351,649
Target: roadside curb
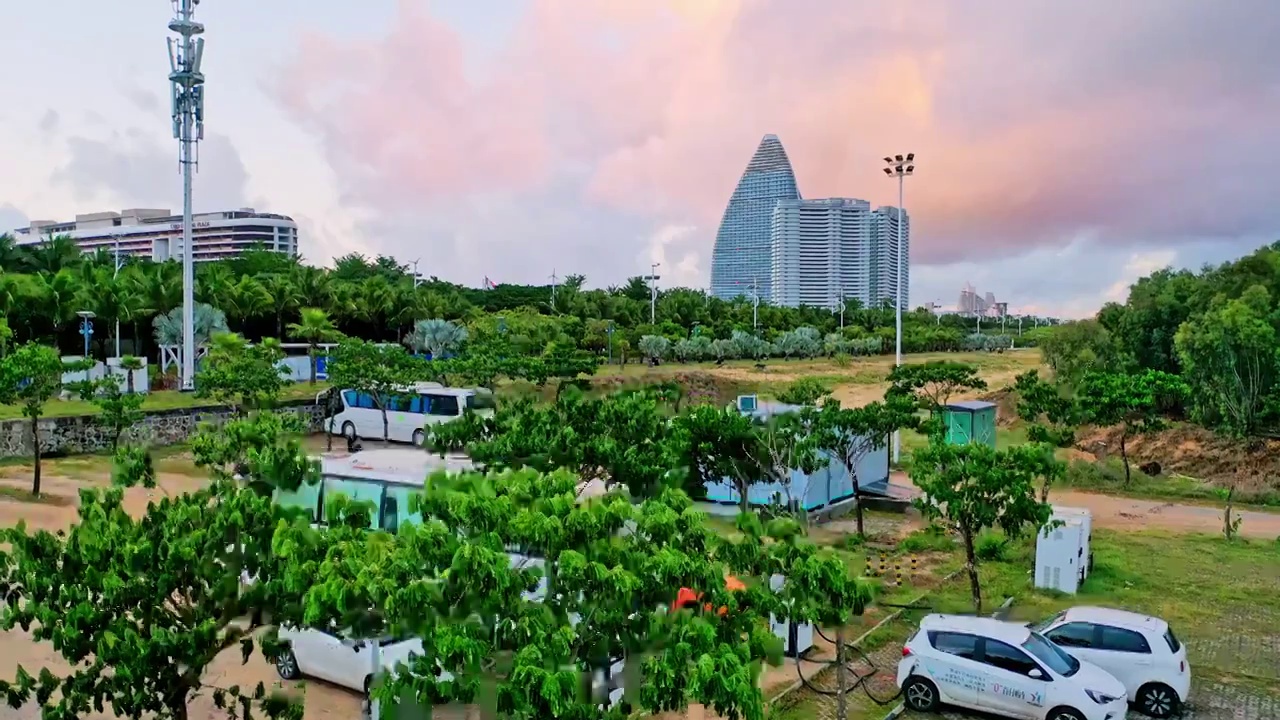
896,713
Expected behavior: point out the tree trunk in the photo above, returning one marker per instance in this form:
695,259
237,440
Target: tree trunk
1124,457
744,501
386,427
280,325
842,702
35,447
971,566
128,381
328,439
314,360
857,501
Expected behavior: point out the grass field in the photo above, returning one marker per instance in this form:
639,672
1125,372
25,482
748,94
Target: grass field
1220,597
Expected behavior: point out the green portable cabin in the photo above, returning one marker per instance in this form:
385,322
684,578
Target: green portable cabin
971,421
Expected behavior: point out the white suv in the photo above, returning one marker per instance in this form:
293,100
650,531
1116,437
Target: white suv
1004,669
1141,651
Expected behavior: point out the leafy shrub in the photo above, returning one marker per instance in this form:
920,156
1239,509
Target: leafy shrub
855,541
842,360
991,546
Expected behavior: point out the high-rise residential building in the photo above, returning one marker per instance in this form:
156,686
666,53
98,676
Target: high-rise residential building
971,303
805,252
157,234
884,256
741,262
821,252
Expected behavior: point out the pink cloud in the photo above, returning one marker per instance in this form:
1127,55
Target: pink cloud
1031,121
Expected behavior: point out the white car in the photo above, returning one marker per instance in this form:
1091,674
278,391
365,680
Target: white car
342,661
1004,669
1141,651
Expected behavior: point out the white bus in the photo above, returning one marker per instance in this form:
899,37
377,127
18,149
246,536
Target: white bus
356,415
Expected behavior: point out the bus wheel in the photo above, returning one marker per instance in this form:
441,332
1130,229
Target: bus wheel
419,438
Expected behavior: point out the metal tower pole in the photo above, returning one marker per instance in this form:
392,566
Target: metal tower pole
185,53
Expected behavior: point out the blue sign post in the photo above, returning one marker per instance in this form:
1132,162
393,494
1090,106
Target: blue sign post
86,329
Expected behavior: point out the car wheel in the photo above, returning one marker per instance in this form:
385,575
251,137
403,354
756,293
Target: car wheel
287,666
1157,700
419,438
349,431
1064,713
920,694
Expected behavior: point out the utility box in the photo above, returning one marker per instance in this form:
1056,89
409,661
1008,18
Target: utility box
1086,520
1060,556
797,638
971,421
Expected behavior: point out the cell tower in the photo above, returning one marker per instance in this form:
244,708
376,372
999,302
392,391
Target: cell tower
185,53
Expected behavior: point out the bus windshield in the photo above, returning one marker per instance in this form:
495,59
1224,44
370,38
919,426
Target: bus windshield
480,400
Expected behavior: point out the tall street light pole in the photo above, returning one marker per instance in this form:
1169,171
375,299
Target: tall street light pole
900,167
653,293
117,276
185,53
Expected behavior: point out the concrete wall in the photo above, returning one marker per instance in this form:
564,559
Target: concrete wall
83,434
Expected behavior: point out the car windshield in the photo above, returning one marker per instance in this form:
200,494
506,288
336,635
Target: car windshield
1047,623
1051,655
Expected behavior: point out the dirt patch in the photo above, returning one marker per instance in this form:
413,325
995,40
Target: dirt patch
1197,453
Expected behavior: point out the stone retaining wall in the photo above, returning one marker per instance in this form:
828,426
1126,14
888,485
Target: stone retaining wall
82,433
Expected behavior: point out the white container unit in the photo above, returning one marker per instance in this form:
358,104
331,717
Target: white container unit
1059,554
1086,519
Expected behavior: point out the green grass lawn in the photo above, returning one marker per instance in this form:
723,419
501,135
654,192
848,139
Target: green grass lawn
157,400
1222,599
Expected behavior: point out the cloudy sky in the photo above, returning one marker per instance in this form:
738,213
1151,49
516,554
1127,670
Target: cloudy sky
1065,149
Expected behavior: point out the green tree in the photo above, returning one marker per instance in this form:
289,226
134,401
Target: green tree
805,391
932,384
620,439
92,593
117,411
521,638
31,376
1073,349
130,364
313,328
436,336
379,371
1051,413
852,434
1229,359
1135,402
716,444
974,487
242,376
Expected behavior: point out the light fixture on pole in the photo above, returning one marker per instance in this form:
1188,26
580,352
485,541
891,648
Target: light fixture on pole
86,329
417,279
900,167
653,293
185,53
755,304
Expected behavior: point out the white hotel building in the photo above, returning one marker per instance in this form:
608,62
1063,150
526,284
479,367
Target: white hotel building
157,234
823,251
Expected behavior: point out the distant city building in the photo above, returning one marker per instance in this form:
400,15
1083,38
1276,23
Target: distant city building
972,305
741,261
795,252
157,234
884,257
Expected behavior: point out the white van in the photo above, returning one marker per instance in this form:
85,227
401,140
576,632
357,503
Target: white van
355,414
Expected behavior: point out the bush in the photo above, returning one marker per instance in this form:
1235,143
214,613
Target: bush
853,542
991,546
842,359
931,539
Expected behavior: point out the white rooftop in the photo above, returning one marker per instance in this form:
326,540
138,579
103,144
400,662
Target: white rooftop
1117,618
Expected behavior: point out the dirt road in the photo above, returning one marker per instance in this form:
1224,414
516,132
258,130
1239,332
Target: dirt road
1120,513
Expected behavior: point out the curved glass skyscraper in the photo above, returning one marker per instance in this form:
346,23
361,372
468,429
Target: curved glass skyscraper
743,250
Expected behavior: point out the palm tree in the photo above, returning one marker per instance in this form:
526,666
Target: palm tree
284,297
54,253
244,299
59,294
313,327
12,255
436,337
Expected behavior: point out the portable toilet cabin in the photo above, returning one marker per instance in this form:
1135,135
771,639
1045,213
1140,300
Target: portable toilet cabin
971,421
